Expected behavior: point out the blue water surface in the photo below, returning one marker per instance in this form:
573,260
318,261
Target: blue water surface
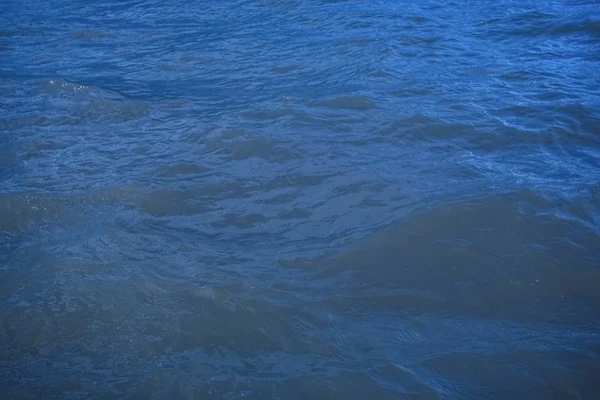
299,199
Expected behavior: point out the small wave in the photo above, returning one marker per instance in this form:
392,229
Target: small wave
268,114
286,69
589,27
241,221
358,103
90,104
59,85
163,203
296,213
90,34
23,211
175,170
256,147
456,237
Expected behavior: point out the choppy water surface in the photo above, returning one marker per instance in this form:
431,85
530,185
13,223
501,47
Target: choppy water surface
300,199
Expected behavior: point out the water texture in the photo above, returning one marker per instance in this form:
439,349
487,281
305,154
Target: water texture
300,199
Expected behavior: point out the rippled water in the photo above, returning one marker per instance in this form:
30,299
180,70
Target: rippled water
300,199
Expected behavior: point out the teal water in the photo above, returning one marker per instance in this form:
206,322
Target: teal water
299,199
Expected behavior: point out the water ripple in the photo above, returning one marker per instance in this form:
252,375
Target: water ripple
299,199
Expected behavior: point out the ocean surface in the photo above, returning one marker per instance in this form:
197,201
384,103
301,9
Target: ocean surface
300,199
